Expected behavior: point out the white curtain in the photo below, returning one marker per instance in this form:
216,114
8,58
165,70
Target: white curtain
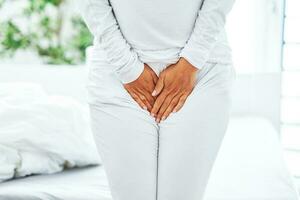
290,109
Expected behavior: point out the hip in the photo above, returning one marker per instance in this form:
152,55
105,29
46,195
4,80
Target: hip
158,60
104,87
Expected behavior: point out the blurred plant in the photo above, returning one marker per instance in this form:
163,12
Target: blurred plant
43,33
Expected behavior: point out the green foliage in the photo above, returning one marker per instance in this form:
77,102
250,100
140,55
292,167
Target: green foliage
82,37
40,5
44,33
13,39
1,3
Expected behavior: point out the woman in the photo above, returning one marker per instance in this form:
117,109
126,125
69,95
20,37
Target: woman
160,77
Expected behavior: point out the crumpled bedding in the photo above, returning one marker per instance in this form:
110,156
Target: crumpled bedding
248,167
42,134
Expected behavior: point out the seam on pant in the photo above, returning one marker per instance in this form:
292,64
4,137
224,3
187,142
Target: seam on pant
157,156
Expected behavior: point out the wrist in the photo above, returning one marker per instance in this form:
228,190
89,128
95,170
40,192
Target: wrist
187,65
133,74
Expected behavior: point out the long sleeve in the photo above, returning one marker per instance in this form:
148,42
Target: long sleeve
209,23
100,19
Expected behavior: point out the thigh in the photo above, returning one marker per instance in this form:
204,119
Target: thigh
190,139
127,143
126,137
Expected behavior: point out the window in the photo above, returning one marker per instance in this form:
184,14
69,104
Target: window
254,31
290,108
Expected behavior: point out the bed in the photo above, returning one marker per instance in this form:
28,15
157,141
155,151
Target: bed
87,184
249,166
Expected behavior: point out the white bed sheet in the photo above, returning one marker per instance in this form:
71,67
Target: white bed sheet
249,167
76,184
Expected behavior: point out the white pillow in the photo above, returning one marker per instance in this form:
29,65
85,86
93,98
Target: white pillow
41,134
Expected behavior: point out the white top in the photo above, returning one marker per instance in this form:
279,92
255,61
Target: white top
134,32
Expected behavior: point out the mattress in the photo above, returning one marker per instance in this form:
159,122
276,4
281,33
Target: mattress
77,184
249,167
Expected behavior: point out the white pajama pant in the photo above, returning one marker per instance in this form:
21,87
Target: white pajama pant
170,160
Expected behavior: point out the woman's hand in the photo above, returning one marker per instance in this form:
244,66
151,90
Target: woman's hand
173,87
140,89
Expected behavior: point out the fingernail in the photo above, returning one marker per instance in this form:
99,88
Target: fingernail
174,111
152,114
154,93
163,118
157,120
145,108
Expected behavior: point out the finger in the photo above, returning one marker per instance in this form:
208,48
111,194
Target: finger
149,98
171,107
154,77
164,107
145,101
158,102
159,86
147,86
180,103
138,100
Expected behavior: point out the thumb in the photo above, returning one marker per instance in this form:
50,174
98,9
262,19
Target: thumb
159,86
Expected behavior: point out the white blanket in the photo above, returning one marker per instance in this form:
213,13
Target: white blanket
41,134
249,167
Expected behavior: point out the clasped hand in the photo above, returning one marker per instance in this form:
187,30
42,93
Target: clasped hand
164,94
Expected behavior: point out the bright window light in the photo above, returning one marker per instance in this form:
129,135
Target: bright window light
290,110
254,29
292,32
292,8
293,161
290,137
291,83
291,59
